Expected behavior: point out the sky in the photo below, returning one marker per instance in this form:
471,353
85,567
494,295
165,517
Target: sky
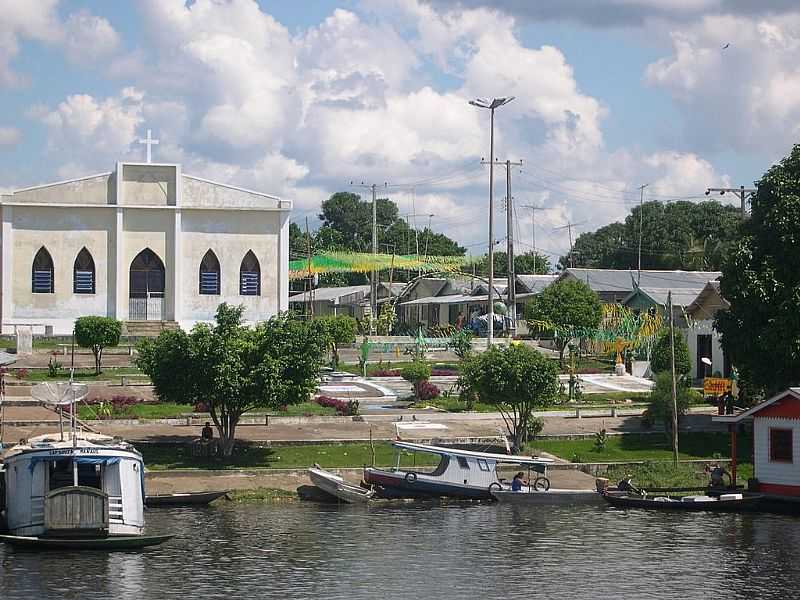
305,99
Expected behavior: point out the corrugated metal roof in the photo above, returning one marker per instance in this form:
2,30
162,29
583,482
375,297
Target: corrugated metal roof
680,296
330,294
623,280
536,283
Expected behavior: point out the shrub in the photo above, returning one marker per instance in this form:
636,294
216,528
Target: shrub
201,407
661,357
21,373
385,373
425,390
461,343
415,373
343,408
660,409
535,427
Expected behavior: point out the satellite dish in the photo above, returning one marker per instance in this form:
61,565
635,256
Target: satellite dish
59,393
706,361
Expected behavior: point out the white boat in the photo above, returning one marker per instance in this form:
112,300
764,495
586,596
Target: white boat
552,496
90,486
460,474
336,486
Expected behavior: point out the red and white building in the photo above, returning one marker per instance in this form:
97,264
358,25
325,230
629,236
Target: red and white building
776,442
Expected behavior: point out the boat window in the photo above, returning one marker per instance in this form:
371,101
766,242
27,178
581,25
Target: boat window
462,462
483,465
60,474
90,476
441,467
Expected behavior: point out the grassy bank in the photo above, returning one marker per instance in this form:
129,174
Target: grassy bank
664,474
159,410
628,447
452,403
84,375
635,447
262,494
159,458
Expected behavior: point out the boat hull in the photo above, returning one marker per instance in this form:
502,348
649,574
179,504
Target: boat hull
336,486
550,497
187,499
396,485
108,543
747,503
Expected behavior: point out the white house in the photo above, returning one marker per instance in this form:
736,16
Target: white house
144,243
776,442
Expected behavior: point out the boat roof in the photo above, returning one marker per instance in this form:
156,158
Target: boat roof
505,458
53,441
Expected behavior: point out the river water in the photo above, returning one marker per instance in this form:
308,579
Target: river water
421,552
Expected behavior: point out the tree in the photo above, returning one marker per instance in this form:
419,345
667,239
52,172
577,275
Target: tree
517,380
660,406
97,333
341,330
661,357
234,369
565,307
761,279
529,263
675,235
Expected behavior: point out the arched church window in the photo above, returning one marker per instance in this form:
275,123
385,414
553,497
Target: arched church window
83,273
250,275
42,276
209,275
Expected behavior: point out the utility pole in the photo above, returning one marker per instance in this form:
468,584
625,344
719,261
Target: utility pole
743,193
569,227
373,280
310,276
674,382
510,290
533,210
641,225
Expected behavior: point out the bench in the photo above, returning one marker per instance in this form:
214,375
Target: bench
578,409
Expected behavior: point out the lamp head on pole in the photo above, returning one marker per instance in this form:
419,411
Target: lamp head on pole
491,104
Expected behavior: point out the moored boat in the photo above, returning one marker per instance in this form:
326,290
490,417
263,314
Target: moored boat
335,485
732,502
460,474
183,499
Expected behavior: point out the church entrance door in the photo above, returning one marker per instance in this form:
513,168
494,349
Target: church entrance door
146,289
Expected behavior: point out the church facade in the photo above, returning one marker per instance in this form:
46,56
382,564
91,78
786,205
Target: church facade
144,244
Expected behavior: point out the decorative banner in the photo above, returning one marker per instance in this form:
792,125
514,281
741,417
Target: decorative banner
363,262
619,328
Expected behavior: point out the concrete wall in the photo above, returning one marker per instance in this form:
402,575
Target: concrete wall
230,234
717,356
63,233
198,193
766,471
149,185
91,190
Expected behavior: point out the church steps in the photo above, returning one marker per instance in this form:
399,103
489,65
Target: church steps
148,328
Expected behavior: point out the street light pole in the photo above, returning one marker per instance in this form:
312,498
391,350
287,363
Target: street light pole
491,106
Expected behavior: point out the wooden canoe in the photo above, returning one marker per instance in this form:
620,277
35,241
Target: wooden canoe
127,542
183,499
623,500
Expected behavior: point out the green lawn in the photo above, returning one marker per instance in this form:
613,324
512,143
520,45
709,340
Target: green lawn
158,458
654,446
305,409
160,410
86,375
392,365
663,474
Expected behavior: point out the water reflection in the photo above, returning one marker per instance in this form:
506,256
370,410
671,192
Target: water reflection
426,551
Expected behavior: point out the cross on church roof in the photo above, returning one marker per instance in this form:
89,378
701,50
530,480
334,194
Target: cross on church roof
149,142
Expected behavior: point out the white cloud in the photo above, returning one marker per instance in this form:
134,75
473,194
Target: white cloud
745,96
236,97
10,136
87,38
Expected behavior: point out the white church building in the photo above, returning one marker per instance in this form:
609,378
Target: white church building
146,244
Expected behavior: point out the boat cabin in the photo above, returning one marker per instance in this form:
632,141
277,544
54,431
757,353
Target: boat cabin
460,473
87,487
776,442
